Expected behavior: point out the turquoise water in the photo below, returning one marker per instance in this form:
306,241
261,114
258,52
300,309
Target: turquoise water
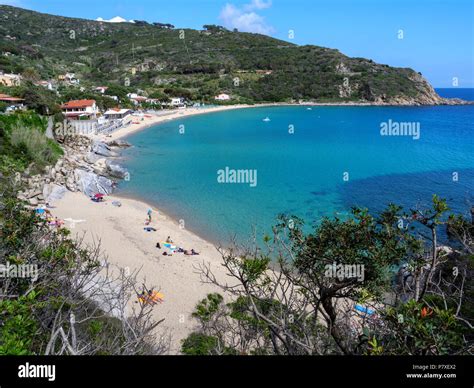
300,173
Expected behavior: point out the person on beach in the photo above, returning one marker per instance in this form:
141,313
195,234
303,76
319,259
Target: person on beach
149,215
169,241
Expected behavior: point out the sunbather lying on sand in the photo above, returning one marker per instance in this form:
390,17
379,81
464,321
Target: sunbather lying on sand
192,252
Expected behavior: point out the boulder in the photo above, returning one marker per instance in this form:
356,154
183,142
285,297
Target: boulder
33,201
71,184
46,190
55,193
91,157
90,183
34,192
119,143
115,170
103,149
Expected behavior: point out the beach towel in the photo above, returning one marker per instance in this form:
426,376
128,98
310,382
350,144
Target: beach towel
169,246
155,297
363,309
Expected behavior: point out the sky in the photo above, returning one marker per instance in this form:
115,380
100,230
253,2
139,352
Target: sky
434,37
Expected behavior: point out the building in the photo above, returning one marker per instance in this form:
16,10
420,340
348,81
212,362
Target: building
14,103
264,72
117,114
136,99
177,102
69,78
80,109
101,89
46,84
222,97
10,79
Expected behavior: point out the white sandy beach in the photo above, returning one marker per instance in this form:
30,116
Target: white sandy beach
126,244
121,233
150,120
122,237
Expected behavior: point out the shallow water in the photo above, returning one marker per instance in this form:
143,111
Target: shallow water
300,173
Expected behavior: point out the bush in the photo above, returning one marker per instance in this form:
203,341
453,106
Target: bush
23,141
197,344
34,146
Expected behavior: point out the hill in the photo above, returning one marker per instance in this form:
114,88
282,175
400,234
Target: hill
198,64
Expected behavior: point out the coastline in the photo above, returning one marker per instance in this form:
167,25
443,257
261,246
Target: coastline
120,233
154,119
123,239
182,113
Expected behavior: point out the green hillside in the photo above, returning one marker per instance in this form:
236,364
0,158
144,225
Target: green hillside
197,64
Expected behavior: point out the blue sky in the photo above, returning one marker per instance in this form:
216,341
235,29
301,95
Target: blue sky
438,35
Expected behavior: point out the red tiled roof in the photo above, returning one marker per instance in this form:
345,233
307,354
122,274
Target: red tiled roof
77,104
6,97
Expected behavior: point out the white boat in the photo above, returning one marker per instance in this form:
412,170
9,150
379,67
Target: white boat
266,119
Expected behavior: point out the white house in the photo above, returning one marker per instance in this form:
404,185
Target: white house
101,89
136,99
222,97
15,103
177,101
69,78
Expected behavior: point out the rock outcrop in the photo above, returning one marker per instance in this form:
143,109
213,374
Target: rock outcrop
82,168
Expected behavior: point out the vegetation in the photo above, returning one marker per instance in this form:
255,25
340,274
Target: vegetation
421,293
161,58
23,142
65,304
56,293
301,307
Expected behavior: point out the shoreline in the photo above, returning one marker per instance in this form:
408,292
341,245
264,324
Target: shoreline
120,233
155,119
160,210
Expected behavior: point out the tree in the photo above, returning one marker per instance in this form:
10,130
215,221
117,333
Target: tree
304,304
76,304
30,74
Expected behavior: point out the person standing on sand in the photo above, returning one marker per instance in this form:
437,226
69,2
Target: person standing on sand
149,215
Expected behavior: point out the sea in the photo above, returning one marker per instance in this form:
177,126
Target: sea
228,175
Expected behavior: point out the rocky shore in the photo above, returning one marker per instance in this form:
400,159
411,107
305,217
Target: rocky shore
87,166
